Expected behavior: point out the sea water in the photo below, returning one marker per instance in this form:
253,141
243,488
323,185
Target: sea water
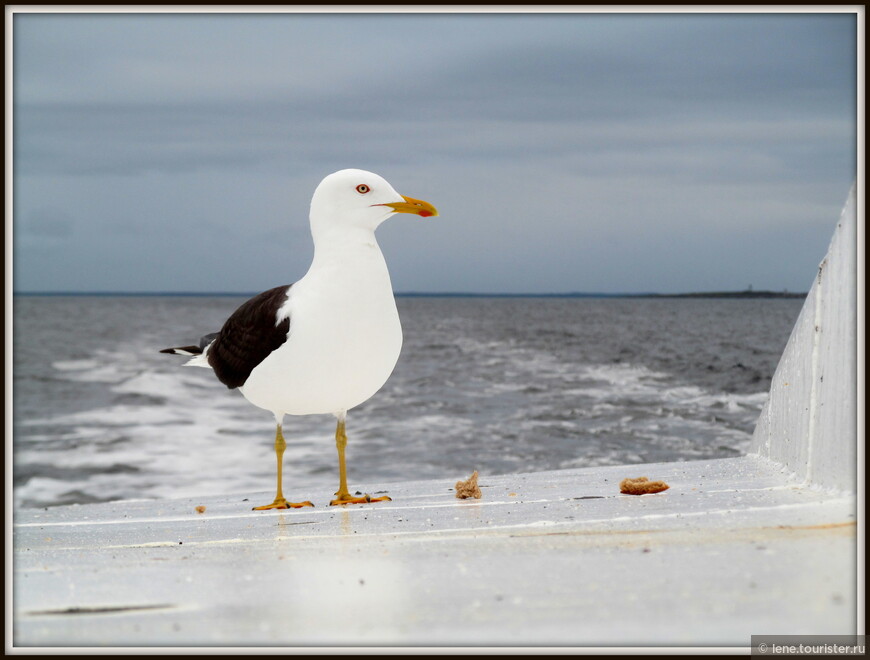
497,385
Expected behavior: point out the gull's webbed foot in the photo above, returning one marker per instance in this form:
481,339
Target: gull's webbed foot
347,498
281,503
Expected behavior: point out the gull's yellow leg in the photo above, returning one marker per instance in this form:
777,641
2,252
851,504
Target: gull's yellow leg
343,495
280,502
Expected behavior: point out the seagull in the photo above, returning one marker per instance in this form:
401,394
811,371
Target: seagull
330,341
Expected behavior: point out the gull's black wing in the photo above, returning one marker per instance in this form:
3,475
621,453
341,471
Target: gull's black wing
248,337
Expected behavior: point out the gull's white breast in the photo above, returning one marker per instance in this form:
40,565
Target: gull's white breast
344,341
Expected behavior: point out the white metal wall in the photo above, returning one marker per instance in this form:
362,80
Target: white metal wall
809,423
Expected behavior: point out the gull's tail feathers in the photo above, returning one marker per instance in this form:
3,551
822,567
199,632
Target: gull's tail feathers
199,354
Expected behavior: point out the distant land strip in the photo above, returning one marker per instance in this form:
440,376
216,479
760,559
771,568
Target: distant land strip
443,294
709,294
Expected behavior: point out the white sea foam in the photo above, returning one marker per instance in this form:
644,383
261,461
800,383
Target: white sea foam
76,365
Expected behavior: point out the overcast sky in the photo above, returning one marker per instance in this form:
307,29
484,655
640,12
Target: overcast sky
571,152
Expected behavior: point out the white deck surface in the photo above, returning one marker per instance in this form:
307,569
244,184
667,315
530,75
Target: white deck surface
556,558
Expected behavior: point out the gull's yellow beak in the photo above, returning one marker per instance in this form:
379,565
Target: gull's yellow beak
411,205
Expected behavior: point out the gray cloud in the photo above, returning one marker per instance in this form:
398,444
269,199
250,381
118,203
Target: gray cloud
48,223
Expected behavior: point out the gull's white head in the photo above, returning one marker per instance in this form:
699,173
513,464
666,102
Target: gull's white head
358,199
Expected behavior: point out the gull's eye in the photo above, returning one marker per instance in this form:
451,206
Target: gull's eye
362,189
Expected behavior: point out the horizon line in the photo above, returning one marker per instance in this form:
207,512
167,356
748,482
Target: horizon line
744,293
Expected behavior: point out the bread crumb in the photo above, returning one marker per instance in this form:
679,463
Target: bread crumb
200,509
469,488
641,486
